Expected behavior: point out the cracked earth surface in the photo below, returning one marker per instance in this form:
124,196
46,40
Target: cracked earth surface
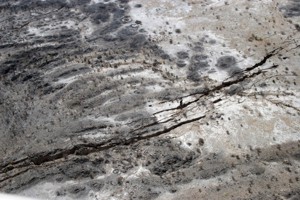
118,99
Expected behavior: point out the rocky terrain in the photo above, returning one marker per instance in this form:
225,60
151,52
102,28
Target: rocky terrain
157,99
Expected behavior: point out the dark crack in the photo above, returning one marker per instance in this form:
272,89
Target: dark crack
83,149
226,84
280,103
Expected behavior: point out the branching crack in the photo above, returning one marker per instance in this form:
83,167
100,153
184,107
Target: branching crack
88,148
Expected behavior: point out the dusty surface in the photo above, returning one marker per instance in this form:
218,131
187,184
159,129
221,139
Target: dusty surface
118,99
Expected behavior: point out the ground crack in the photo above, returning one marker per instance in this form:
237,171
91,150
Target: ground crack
229,83
84,149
